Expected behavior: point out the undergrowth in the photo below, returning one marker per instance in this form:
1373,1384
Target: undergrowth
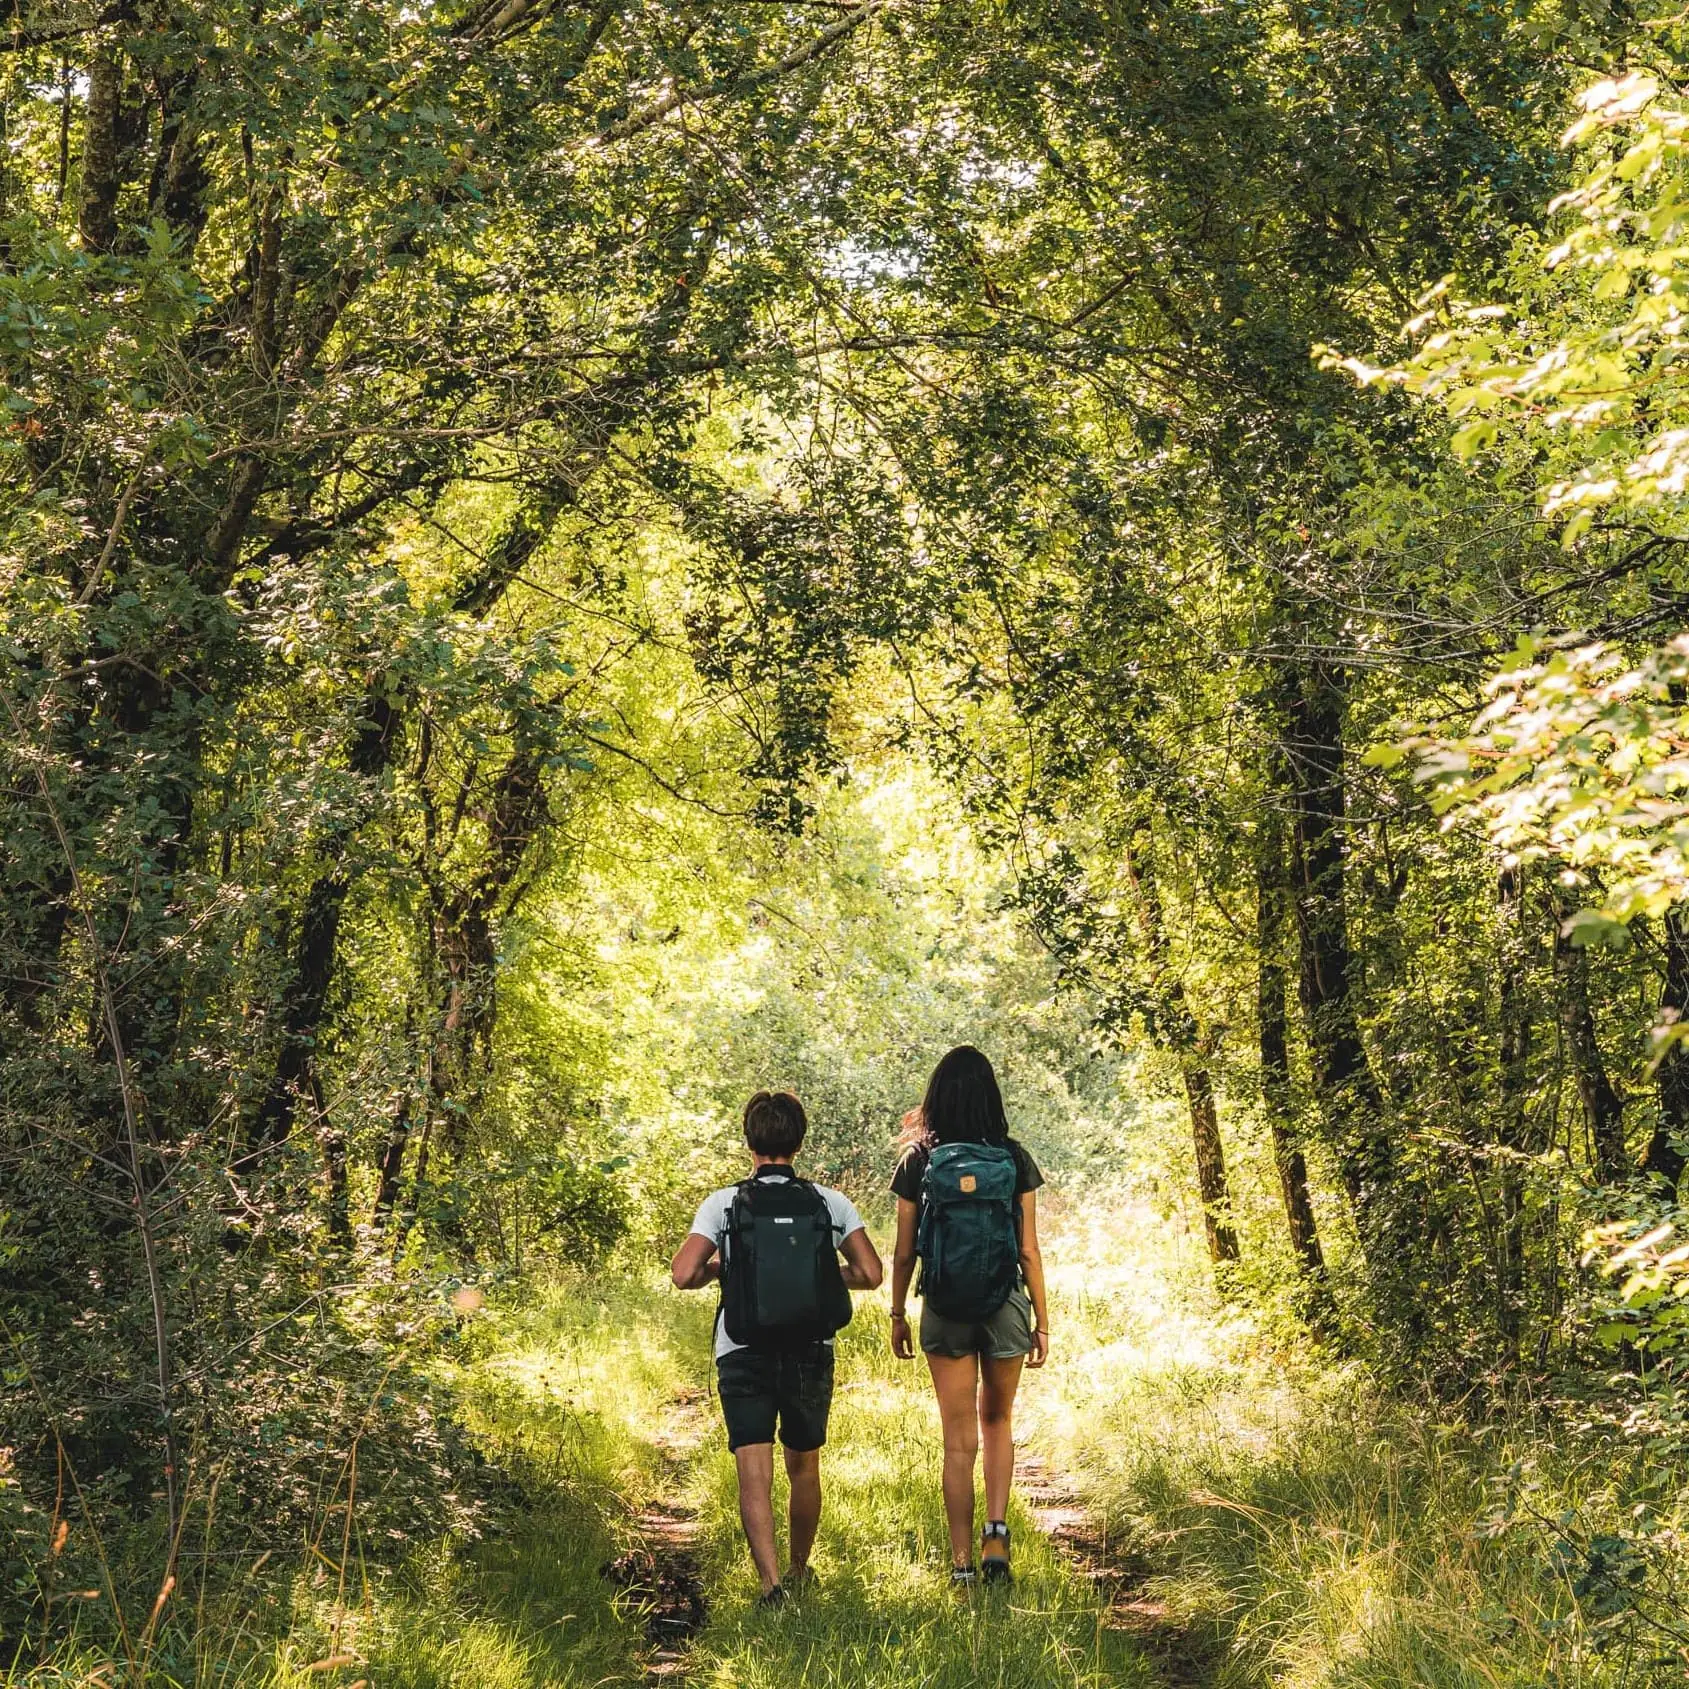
1318,1533
1285,1524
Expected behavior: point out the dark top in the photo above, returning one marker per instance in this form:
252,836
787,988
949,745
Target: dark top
906,1180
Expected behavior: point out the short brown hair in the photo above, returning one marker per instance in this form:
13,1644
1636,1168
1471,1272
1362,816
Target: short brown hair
775,1123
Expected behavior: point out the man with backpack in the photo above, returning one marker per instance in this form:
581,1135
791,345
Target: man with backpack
774,1243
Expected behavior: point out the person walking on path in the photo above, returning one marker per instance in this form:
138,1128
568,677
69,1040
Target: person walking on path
774,1243
966,1211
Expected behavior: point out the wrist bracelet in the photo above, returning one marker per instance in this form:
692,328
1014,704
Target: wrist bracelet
899,1314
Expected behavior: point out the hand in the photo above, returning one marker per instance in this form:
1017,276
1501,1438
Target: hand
902,1343
1040,1349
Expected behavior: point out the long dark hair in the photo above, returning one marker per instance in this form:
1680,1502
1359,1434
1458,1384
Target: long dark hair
962,1106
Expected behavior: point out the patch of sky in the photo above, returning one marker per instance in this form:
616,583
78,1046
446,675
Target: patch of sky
862,263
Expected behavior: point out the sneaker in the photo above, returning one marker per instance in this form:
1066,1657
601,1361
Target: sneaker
963,1577
799,1583
995,1566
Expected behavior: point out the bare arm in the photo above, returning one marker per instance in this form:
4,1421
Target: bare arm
902,1271
862,1268
1032,1269
695,1263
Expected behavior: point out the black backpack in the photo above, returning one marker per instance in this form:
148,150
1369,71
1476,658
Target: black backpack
781,1287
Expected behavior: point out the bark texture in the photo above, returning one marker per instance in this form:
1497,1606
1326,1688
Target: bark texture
1603,1106
1663,1158
1273,1036
1343,1078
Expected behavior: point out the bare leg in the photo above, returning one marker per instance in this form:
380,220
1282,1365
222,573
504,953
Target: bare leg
756,1508
803,1467
997,1384
956,1379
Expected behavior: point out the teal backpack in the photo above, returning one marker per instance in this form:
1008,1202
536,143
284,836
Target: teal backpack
969,1236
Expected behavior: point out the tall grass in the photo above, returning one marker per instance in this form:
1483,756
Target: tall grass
559,1396
1317,1534
1281,1521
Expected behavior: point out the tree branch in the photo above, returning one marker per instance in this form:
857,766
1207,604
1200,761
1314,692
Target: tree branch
676,98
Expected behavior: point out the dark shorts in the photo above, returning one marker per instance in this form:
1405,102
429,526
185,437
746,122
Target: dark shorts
794,1388
1005,1335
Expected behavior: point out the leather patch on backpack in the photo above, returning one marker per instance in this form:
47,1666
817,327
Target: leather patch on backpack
968,1183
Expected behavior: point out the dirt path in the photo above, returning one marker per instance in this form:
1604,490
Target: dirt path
1182,1659
659,1577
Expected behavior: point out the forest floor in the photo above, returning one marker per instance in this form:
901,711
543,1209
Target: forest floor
881,1613
1191,1510
602,1389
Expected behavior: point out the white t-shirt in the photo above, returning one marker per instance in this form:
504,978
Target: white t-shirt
711,1222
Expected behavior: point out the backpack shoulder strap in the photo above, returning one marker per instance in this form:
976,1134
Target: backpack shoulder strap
730,1229
735,1214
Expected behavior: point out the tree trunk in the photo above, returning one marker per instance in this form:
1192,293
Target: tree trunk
1273,1027
464,943
101,154
392,1163
1343,1077
1602,1104
1664,1158
302,1016
177,189
1515,1137
314,955
1179,1029
1210,1167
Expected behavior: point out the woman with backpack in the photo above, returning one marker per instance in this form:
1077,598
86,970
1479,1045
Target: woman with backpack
966,1211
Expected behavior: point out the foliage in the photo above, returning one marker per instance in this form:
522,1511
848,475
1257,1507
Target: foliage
1589,351
842,964
1577,761
563,563
1574,760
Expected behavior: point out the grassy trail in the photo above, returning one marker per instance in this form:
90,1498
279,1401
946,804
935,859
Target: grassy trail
1195,1510
1192,1512
882,1614
1181,1655
620,1373
659,1576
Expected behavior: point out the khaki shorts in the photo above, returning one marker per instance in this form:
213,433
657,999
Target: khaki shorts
1007,1334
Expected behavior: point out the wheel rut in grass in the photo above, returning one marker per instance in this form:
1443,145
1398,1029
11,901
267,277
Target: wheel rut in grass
1182,1659
658,1578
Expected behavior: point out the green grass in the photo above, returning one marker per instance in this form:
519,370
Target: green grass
883,1613
1309,1533
560,1395
1292,1527
565,1396
573,1395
